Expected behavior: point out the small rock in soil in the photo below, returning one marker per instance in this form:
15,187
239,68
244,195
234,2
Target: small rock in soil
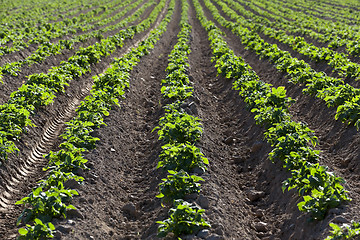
203,233
64,229
259,213
215,237
267,238
260,226
220,230
203,201
71,222
74,213
130,209
112,221
345,162
262,235
340,219
230,140
254,195
58,235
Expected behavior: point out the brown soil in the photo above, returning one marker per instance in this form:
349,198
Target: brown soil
242,192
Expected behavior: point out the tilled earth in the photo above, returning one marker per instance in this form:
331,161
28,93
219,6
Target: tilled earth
242,192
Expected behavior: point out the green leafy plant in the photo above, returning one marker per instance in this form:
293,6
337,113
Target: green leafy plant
179,127
46,204
39,231
185,218
183,156
177,185
345,231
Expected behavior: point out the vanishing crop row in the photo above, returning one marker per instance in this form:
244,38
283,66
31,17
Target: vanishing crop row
346,231
179,132
292,142
325,11
41,89
51,197
327,27
332,90
47,49
40,12
338,61
298,27
21,38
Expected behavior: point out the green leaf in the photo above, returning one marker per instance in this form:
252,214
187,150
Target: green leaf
23,231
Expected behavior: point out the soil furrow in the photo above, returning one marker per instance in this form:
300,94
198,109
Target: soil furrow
236,152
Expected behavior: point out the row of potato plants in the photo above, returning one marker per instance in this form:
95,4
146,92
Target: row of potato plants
325,26
338,61
23,15
345,231
322,9
332,90
303,27
341,14
47,49
179,132
44,32
40,89
51,198
292,141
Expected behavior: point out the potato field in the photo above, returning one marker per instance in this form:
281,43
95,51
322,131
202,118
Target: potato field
180,119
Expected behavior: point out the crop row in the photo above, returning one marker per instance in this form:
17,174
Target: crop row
40,12
21,38
179,131
346,231
291,141
322,9
332,90
51,198
41,89
47,49
302,26
327,27
338,61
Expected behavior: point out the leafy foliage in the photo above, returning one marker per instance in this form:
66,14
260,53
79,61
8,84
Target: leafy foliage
185,218
346,231
177,185
183,156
